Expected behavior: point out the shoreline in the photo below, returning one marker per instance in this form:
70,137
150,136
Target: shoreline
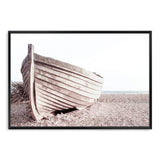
124,92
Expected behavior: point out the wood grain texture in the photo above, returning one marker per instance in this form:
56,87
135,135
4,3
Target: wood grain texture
68,67
70,75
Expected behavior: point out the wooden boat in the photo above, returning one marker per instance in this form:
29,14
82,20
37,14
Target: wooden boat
53,85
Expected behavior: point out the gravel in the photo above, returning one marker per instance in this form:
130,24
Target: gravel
109,110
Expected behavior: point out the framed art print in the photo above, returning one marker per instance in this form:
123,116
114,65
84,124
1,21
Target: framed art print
80,79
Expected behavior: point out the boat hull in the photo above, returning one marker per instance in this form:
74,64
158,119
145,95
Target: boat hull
54,85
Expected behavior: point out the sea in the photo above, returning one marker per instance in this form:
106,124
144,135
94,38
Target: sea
125,92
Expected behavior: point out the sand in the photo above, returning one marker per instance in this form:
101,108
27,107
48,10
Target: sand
110,110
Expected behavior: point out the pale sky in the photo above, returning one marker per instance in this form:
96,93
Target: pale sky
121,59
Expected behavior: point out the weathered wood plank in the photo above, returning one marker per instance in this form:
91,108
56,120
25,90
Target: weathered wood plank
69,76
65,91
26,80
51,101
48,105
25,67
68,67
55,98
26,88
26,73
64,83
66,97
26,60
60,86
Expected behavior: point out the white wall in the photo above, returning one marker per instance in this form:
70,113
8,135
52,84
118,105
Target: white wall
79,144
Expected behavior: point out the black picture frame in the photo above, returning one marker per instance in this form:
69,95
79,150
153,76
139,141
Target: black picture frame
82,32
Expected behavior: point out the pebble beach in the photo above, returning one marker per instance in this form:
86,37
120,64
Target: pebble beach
117,110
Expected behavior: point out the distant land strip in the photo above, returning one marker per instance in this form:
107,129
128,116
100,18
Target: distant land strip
125,92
